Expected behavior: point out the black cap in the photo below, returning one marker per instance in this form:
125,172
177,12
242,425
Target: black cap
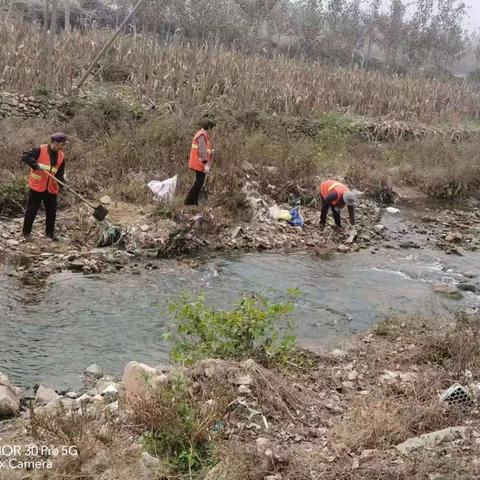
58,137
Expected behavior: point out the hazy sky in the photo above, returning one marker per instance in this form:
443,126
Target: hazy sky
474,10
473,23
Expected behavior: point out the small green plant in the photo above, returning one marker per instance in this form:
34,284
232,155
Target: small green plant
254,328
386,326
178,428
12,196
335,133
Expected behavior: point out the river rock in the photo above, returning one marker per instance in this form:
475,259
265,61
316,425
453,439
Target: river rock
391,378
138,379
379,228
467,287
106,200
447,289
45,395
110,392
85,398
409,244
72,395
454,237
338,354
470,274
9,398
94,371
431,440
152,463
105,382
113,407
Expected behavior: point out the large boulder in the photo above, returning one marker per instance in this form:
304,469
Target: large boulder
45,395
9,398
138,380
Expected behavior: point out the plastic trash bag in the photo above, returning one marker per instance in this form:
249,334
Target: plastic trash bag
297,219
392,210
163,191
279,214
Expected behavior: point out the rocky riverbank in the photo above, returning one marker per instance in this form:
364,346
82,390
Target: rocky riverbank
376,409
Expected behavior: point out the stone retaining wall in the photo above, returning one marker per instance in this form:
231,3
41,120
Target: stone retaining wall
17,105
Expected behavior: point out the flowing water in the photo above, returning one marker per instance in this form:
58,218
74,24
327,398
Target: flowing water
52,333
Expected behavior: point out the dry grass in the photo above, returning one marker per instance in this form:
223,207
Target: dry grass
183,78
102,442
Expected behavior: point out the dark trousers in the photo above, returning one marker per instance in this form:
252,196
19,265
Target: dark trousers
194,193
35,199
335,213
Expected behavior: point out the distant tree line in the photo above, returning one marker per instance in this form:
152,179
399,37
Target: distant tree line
398,34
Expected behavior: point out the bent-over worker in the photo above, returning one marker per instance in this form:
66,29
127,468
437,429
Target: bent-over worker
200,159
336,195
45,158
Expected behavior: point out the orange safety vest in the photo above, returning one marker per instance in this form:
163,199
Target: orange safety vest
328,186
195,162
40,181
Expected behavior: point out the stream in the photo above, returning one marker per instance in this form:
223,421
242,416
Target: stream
52,333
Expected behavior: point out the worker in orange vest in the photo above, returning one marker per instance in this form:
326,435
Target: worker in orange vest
336,195
200,159
50,158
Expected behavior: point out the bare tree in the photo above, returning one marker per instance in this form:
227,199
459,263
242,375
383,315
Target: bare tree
68,26
45,15
392,31
53,25
372,24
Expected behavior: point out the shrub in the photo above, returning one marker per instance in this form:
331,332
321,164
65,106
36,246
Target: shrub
178,426
13,196
254,328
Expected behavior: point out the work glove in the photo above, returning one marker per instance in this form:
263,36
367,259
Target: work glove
206,168
36,166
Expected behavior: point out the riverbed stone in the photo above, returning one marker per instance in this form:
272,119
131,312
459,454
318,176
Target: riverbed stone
431,440
9,402
152,463
392,377
467,287
338,354
454,237
45,395
470,274
95,371
138,379
110,393
447,289
409,244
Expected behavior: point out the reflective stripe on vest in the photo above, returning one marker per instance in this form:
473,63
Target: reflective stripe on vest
336,184
339,187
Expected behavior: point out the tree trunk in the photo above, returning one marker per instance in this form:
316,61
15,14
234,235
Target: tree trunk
53,26
68,27
45,16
